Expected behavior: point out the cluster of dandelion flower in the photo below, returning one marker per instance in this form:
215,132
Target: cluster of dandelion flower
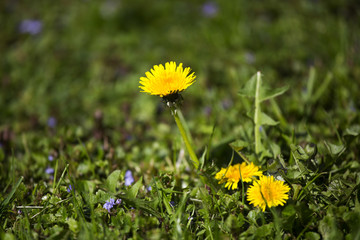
233,174
265,191
268,192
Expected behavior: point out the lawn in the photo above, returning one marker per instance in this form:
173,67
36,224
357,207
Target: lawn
262,144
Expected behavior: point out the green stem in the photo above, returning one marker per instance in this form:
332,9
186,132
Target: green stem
277,223
278,113
257,114
195,160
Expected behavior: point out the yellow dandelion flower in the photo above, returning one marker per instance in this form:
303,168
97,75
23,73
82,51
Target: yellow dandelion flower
268,191
163,81
234,173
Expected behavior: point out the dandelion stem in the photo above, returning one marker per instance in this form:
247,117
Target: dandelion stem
195,160
257,114
277,223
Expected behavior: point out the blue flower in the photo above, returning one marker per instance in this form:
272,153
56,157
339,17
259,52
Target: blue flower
30,26
69,189
51,122
149,188
118,201
109,204
49,170
128,178
209,9
50,158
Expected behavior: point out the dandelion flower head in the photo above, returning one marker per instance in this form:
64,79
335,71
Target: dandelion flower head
235,173
164,81
268,191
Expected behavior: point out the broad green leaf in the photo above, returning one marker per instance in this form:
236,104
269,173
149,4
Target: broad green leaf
328,228
249,88
266,120
201,232
102,196
133,191
8,236
252,216
266,93
73,225
299,153
353,219
273,166
238,145
112,180
352,131
86,189
147,206
276,150
312,236
232,222
335,150
264,230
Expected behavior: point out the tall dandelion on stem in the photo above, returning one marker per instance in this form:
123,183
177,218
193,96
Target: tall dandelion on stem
168,82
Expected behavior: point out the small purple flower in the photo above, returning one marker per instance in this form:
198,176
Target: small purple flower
250,57
69,189
30,26
226,103
19,212
109,204
118,201
51,122
50,158
128,178
49,170
149,188
207,110
261,128
210,9
352,107
172,203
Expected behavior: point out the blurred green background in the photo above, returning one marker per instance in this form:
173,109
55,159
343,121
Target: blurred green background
70,70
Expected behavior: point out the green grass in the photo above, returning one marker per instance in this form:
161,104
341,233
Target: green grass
82,70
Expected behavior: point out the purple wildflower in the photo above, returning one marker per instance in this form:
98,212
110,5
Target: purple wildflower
210,9
49,170
69,189
207,110
51,122
250,57
172,203
128,178
30,26
50,158
149,188
226,103
118,201
109,204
